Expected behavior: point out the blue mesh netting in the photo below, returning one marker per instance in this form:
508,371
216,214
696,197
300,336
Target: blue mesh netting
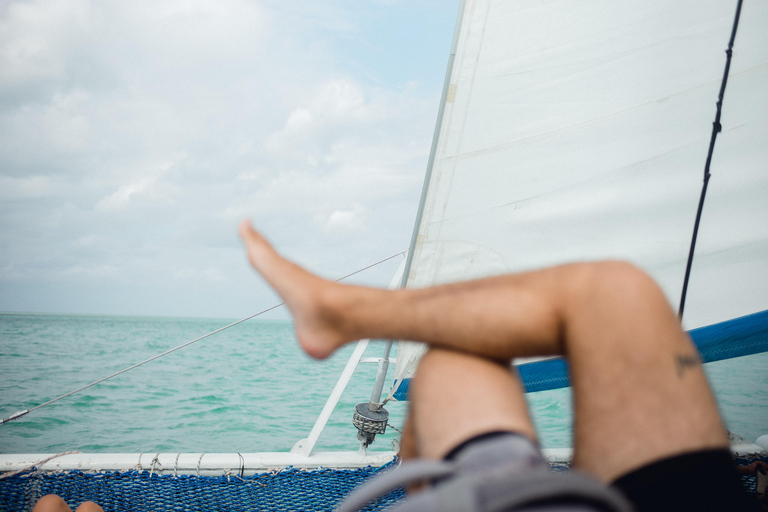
748,481
136,491
291,489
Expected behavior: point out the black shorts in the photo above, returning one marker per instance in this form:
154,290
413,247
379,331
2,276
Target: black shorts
700,481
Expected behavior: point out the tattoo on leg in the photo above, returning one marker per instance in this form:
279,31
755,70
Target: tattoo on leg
685,362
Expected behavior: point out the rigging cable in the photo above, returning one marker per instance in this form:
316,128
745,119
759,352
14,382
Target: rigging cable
716,128
19,414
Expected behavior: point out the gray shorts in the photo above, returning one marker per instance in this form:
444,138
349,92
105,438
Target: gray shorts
499,473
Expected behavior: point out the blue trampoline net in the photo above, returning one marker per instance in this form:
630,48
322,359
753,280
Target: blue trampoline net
137,491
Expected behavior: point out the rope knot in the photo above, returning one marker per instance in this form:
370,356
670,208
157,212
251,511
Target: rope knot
155,461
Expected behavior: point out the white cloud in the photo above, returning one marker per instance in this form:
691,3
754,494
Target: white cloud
35,38
67,123
120,199
334,107
339,98
89,272
87,241
209,274
26,188
137,134
298,119
346,221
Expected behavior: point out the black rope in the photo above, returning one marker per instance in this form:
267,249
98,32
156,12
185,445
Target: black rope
716,128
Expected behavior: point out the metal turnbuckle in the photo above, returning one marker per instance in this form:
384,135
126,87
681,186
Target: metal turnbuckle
368,422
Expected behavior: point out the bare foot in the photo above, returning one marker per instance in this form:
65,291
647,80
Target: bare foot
311,300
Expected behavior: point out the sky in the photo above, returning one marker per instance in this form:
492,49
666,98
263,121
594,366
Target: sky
135,135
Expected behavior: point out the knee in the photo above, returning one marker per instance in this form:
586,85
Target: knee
433,367
89,506
440,370
432,360
620,308
429,363
51,503
433,363
614,281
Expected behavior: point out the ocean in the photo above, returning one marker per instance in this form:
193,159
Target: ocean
247,389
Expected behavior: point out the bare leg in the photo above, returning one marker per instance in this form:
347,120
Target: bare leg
640,394
456,397
328,315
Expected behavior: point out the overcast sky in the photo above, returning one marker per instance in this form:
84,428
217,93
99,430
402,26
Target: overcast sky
134,136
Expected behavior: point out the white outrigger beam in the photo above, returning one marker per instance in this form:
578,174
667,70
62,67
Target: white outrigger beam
201,464
246,464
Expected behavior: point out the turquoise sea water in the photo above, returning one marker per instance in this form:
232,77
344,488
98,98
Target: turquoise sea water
247,389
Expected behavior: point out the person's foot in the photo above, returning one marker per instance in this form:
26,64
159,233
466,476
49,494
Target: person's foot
314,302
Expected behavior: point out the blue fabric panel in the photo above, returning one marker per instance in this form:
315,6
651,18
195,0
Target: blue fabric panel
402,392
734,338
543,375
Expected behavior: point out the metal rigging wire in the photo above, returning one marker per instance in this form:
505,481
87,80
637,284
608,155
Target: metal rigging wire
19,414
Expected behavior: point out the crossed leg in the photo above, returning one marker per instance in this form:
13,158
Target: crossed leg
640,394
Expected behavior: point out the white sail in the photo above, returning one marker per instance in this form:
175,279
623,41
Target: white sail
574,131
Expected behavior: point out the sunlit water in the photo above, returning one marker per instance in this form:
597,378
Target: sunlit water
247,389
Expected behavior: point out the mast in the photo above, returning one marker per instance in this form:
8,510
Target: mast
435,139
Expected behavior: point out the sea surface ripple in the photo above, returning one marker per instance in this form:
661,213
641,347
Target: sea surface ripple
247,389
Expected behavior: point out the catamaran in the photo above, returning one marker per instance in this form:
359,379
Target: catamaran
566,131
